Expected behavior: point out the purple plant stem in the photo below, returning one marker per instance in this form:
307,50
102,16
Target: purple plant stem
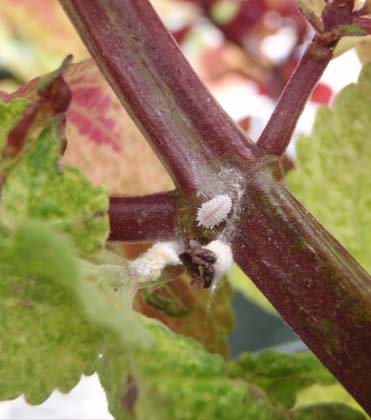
337,12
151,77
313,282
364,23
277,134
143,219
317,287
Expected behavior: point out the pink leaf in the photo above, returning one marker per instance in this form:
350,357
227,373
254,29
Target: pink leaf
102,139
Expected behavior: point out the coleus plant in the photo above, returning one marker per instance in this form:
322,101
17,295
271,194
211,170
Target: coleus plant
67,305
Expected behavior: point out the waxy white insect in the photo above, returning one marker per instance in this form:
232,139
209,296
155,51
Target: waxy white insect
214,211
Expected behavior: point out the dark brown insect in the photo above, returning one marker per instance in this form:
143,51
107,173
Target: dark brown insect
199,263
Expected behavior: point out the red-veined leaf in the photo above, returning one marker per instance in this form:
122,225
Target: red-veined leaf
102,139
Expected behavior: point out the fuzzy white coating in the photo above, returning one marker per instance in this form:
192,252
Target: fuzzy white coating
148,267
224,257
214,211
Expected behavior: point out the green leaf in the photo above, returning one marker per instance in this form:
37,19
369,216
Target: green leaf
317,393
327,412
148,371
349,30
46,342
107,291
10,115
40,188
177,379
333,164
35,249
281,376
48,215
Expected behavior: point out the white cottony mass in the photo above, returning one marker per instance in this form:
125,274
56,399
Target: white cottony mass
224,257
148,266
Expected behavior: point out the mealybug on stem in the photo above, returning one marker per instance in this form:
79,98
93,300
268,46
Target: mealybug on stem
214,211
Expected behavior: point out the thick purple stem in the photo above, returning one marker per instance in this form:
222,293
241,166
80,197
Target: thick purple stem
337,12
278,132
151,77
143,219
364,23
317,287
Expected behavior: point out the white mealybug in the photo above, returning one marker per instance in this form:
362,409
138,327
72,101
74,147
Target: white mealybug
214,211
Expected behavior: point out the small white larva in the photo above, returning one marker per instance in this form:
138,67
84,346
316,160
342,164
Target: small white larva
214,211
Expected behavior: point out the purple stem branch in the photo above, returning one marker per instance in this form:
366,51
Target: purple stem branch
176,113
364,23
278,132
143,219
337,12
316,286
